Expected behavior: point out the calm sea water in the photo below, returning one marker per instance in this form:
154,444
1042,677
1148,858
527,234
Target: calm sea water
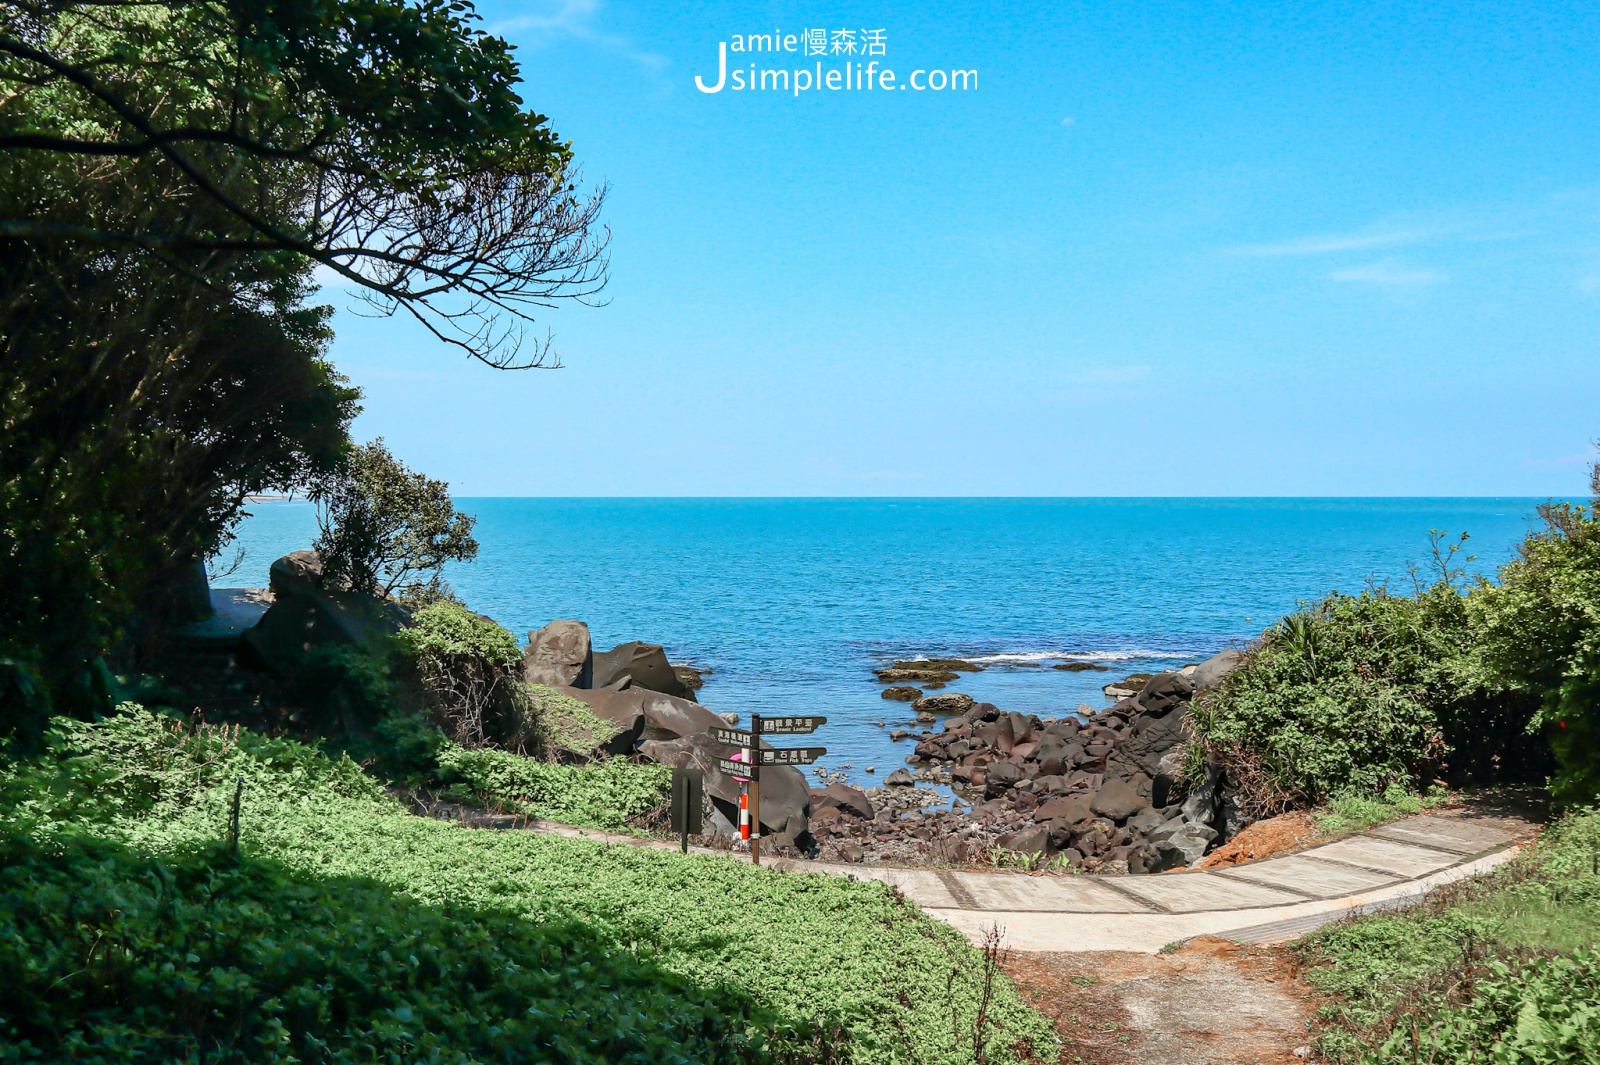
792,602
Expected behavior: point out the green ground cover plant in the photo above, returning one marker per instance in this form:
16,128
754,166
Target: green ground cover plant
1500,968
603,794
812,951
114,956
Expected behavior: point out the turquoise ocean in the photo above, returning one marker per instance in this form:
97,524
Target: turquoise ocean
792,602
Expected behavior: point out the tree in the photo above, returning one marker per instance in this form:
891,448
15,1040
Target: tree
384,528
380,139
170,176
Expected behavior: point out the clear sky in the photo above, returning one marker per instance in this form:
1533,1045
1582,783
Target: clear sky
1159,249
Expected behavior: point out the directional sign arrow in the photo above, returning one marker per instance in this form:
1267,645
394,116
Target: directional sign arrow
733,737
791,726
793,756
737,770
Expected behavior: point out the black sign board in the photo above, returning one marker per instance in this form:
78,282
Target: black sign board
793,756
733,737
729,767
688,802
791,726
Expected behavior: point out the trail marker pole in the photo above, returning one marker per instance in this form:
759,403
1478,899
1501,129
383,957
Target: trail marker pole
754,759
747,764
233,819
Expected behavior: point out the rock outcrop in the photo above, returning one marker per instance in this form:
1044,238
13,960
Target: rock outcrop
644,663
559,655
304,618
1101,792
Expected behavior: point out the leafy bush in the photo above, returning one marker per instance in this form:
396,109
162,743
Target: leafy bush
805,948
384,528
1346,694
1500,968
602,794
1541,635
112,956
467,665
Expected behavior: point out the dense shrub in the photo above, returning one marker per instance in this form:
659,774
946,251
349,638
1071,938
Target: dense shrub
556,725
467,665
384,529
603,794
1540,631
1348,693
113,956
806,948
1355,695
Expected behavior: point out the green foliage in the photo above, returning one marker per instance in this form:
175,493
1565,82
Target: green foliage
384,528
603,794
113,956
1349,693
467,665
347,689
1351,810
1541,635
802,947
405,747
1498,969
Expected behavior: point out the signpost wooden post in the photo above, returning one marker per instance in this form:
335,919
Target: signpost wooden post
748,766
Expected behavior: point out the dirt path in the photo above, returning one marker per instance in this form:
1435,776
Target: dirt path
1211,1002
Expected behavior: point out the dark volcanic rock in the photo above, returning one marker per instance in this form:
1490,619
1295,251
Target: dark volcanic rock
902,692
1116,800
644,663
1213,669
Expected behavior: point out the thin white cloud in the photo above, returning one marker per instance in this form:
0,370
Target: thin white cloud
1333,243
578,20
1387,274
1589,285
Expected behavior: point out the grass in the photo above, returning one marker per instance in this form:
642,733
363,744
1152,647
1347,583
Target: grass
1353,811
1500,968
810,953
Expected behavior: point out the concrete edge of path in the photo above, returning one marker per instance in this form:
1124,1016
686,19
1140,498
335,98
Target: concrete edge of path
1148,932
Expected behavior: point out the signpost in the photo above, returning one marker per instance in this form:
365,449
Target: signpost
752,756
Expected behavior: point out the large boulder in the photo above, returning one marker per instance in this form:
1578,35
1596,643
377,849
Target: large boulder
785,798
295,571
1213,669
852,801
948,703
1117,800
304,618
619,704
559,655
1070,809
1164,691
645,663
1187,838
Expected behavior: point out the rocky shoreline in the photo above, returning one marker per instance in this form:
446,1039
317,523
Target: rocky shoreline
1099,792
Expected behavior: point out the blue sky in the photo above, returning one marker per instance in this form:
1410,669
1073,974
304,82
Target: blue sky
1161,249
